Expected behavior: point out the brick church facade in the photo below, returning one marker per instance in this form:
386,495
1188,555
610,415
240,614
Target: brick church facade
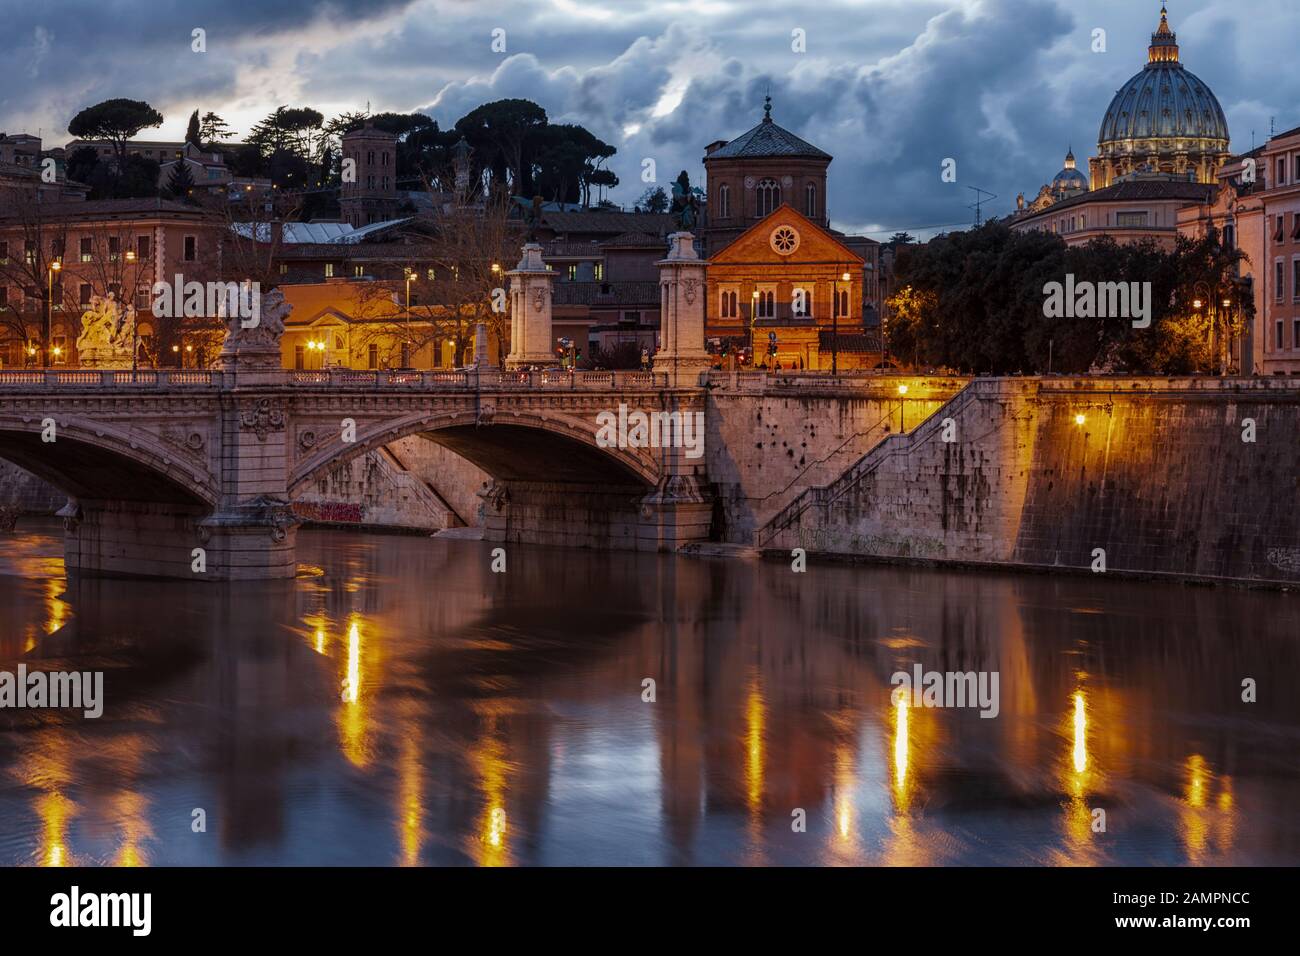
783,287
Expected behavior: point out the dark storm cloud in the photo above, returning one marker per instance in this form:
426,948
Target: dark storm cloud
890,87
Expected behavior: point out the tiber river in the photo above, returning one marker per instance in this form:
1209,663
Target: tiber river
398,703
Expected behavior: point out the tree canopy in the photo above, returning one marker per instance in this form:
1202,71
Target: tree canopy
975,301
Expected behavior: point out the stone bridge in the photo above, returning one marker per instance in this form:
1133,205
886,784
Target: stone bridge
157,464
189,474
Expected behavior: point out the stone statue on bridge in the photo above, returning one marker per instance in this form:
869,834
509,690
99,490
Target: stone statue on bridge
253,334
107,333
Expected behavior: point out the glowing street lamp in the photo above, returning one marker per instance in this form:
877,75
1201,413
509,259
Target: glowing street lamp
902,395
1080,419
55,266
835,322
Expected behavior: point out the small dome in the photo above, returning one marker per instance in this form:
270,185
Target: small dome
1070,179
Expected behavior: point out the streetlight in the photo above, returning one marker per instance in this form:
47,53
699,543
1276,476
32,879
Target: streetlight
135,324
410,277
55,266
753,317
902,395
835,323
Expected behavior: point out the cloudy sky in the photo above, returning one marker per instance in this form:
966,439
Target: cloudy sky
891,88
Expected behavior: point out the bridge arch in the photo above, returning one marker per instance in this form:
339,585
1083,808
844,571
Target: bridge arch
519,446
96,461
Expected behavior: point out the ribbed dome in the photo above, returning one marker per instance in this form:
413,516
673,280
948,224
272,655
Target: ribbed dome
1164,101
1070,179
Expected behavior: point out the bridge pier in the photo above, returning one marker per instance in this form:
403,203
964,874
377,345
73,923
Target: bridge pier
139,539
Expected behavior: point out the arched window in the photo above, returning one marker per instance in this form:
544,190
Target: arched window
728,307
724,201
769,197
841,303
810,200
767,304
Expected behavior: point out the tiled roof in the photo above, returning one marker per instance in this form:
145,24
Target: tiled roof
639,292
609,222
767,139
101,208
1137,190
851,341
560,249
637,240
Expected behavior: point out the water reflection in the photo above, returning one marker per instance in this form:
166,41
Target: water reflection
402,705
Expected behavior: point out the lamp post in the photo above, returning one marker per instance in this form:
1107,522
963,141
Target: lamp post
135,325
55,266
835,323
753,317
410,277
902,398
1211,301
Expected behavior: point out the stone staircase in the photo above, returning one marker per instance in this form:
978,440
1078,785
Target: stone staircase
891,445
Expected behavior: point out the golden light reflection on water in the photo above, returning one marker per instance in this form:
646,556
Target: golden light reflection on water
901,750
1080,753
488,757
844,843
410,806
1207,818
755,725
54,809
1079,781
352,716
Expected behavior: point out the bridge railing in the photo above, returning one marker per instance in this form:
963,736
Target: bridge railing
112,378
472,379
431,380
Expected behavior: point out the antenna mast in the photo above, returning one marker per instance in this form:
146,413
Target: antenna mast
980,200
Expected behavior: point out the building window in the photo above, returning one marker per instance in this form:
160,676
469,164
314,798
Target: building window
801,301
1281,171
329,270
86,246
769,197
114,248
358,271
1295,333
724,201
841,303
370,158
284,268
191,249
1277,345
598,271
810,201
29,251
1279,281
4,253
83,294
299,357
1131,219
4,296
1295,279
729,306
766,304
372,356
571,272
142,248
